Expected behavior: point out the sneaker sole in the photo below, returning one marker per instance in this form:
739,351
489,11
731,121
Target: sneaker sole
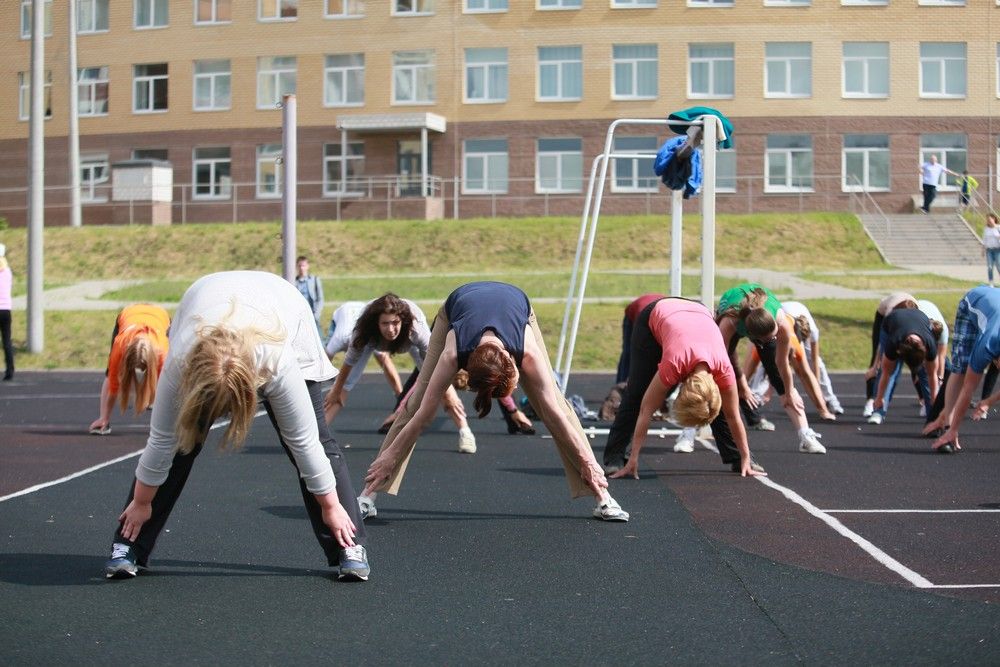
352,576
120,573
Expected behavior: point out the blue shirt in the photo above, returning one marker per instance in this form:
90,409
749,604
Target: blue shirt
984,305
475,308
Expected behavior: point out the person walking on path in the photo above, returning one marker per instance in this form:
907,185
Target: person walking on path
6,305
991,245
239,337
489,329
930,177
310,287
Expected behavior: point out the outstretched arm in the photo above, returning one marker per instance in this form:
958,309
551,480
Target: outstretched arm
107,405
336,398
652,400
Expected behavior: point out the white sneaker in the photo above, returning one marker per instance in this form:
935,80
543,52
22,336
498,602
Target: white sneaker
835,407
367,507
466,441
685,441
869,408
763,425
923,410
876,418
610,511
809,444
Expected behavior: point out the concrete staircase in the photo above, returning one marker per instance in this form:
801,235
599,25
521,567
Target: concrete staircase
916,240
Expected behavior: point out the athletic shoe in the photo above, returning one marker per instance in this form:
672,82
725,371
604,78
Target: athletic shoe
923,410
466,441
945,449
610,511
835,407
611,468
876,418
685,441
763,425
99,430
122,563
354,564
367,507
736,466
809,444
869,408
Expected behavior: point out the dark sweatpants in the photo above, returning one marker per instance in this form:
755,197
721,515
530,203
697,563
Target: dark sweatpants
168,493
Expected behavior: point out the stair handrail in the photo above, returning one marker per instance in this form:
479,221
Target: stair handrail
863,190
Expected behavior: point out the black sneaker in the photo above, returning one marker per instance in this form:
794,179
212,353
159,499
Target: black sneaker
122,563
354,564
737,467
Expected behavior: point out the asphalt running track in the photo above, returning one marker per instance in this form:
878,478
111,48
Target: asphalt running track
887,555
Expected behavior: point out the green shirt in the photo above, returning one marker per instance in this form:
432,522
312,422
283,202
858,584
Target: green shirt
732,299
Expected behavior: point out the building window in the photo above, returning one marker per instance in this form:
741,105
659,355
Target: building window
485,6
344,80
788,163
560,4
559,166
212,82
413,77
710,3
149,88
635,174
160,154
212,178
275,79
26,18
412,7
345,9
151,13
864,3
560,73
24,94
213,11
269,171
942,3
91,16
788,69
94,172
866,69
712,71
786,3
635,71
632,4
865,163
92,91
485,166
486,75
942,69
997,62
341,174
277,10
725,170
952,151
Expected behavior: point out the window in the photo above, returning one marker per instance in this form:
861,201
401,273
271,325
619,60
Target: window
150,154
952,151
725,170
340,174
24,94
149,88
92,91
269,171
635,174
560,4
94,170
865,3
412,7
345,9
413,77
789,163
865,163
942,69
942,3
484,6
866,69
710,3
212,178
559,166
635,72
560,73
344,80
712,71
212,81
91,16
788,69
485,166
632,4
26,18
151,13
213,11
275,79
486,75
786,3
277,10
997,62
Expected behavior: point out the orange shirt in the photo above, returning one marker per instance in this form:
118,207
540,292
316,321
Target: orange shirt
142,319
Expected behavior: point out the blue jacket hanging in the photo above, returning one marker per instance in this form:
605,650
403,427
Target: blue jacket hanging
679,173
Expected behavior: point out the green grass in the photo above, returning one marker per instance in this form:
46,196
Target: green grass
889,282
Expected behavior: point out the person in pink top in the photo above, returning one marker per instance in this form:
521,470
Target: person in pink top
6,282
676,344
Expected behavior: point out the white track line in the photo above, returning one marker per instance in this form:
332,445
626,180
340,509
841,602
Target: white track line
970,511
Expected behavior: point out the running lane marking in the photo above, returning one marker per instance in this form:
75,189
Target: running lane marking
968,511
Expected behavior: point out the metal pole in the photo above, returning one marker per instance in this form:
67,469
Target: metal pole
36,223
423,162
708,212
289,160
75,216
676,239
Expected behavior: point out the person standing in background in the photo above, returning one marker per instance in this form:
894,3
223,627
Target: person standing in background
6,282
310,287
930,176
991,245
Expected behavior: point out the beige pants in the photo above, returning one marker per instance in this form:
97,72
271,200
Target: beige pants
567,450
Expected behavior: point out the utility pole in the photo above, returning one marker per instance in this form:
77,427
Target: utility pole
289,173
75,218
36,222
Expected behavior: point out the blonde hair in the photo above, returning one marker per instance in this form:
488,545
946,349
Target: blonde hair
802,328
698,401
461,380
140,355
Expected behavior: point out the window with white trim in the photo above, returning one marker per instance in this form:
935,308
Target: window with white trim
24,94
636,70
710,3
91,16
560,73
212,85
344,9
212,173
942,69
864,3
26,14
866,69
151,14
788,163
632,4
213,11
341,175
413,77
95,170
787,3
344,80
559,166
711,71
634,174
725,170
485,164
92,91
942,3
788,69
952,151
149,88
268,171
276,76
486,75
412,7
997,63
161,154
485,6
865,164
277,10
560,4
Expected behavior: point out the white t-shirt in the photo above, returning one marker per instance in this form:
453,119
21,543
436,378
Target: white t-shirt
934,313
991,237
794,310
931,172
267,302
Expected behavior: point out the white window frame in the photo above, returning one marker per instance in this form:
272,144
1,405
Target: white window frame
89,165
710,3
942,152
215,182
416,8
787,3
268,154
213,79
869,64
26,14
24,94
558,5
88,88
712,62
941,3
349,9
331,187
866,153
789,155
278,75
152,14
560,66
417,73
488,97
215,20
633,4
633,63
278,7
487,7
485,157
642,168
150,81
789,64
864,3
92,29
942,64
347,81
560,157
